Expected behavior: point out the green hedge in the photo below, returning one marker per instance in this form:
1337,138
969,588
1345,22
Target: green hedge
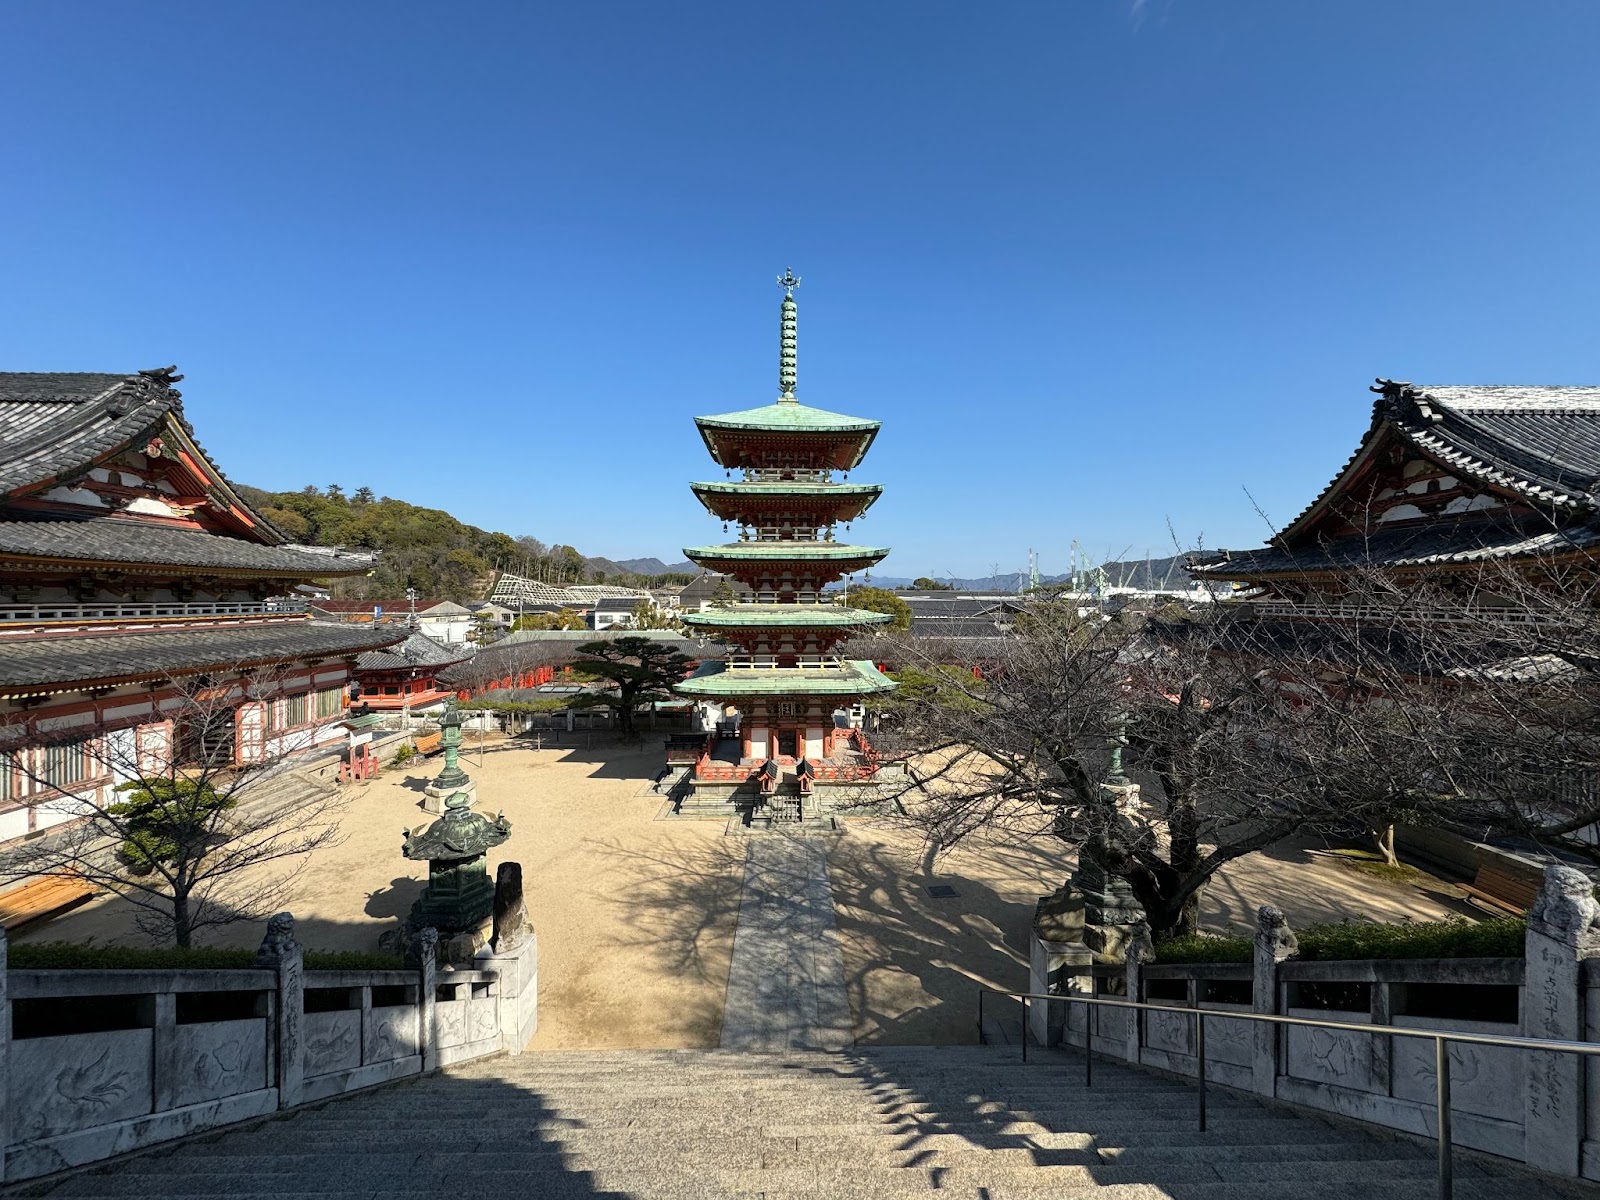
75,956
1501,937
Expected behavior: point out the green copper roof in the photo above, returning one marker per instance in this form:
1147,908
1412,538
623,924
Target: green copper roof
788,488
848,499
786,551
857,678
788,416
784,616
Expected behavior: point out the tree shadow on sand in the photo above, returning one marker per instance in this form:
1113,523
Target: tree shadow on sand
913,962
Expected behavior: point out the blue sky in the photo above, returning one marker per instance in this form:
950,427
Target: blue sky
1097,266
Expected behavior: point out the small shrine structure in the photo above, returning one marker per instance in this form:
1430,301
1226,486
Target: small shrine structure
778,749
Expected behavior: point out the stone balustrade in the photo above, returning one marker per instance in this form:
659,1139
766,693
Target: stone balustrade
1538,1108
98,1063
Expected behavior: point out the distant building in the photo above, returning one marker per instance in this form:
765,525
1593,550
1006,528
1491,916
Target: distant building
613,614
962,615
148,615
705,589
406,676
447,622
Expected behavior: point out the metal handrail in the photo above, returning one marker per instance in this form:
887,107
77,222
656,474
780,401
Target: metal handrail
1441,1039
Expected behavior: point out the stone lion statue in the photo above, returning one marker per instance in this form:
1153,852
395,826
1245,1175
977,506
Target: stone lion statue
1273,933
1566,901
279,941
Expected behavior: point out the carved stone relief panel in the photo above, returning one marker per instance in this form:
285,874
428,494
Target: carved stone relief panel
1170,1031
392,1033
63,1084
450,1017
1483,1080
332,1042
220,1058
1333,1056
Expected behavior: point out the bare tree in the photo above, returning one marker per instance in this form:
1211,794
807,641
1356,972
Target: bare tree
159,812
1472,703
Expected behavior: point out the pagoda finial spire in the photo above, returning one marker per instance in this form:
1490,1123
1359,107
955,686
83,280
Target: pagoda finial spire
789,339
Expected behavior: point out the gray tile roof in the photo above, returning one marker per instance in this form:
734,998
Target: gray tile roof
1539,444
52,423
1541,441
418,650
1436,542
42,663
117,539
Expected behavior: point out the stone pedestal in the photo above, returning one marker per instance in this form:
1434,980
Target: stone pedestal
518,968
437,792
1058,963
1112,917
1562,933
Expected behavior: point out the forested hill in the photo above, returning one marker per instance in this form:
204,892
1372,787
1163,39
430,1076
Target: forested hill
424,548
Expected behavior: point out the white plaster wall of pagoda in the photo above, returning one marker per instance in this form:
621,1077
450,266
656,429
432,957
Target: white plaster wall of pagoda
814,747
58,810
758,741
122,754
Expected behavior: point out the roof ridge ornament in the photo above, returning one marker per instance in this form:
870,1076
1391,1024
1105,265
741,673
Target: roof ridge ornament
788,339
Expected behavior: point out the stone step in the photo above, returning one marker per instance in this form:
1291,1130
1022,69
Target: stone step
473,1108
807,1179
579,1188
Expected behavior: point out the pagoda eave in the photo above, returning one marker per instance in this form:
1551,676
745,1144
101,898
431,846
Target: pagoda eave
737,447
779,617
719,681
766,504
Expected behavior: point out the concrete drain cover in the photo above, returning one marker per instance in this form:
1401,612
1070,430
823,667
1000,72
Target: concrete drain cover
943,891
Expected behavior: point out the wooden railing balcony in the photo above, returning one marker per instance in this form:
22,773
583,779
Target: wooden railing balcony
784,662
16,617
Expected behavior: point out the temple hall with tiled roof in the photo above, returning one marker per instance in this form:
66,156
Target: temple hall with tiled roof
143,600
1446,478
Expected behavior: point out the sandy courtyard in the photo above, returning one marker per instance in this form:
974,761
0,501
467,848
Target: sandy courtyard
636,916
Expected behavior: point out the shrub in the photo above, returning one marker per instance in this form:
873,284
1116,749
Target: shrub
1501,937
80,956
165,818
352,960
406,752
1205,948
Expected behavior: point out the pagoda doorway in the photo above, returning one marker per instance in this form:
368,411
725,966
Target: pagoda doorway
788,742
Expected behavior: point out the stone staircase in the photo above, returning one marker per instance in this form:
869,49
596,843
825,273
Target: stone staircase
960,1121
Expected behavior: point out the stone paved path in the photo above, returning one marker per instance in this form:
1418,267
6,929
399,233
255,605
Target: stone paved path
867,1123
786,981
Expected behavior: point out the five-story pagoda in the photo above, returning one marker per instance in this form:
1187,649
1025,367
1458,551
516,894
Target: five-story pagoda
784,692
